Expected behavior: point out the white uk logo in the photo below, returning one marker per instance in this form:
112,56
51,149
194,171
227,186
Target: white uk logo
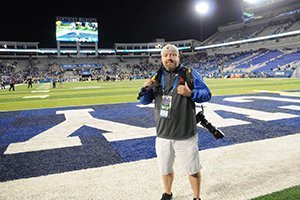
57,136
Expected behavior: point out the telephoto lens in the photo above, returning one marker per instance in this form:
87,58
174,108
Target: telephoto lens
217,133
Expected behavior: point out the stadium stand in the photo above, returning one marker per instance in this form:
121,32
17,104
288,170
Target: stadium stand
267,45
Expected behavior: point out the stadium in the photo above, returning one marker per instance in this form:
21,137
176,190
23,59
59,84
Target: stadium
71,126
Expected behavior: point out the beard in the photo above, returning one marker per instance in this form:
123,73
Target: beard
170,65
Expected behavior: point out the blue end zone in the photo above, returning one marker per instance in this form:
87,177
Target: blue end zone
127,113
96,151
136,149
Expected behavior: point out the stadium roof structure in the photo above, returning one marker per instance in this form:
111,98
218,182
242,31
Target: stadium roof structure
266,8
140,48
253,5
286,38
154,46
15,45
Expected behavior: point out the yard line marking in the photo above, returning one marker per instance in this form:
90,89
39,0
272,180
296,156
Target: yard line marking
35,97
40,91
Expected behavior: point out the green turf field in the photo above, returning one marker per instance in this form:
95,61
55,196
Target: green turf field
292,193
91,93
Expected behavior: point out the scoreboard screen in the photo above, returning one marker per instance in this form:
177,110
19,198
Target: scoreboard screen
75,29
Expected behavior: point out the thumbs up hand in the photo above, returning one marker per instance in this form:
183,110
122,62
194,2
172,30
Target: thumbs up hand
148,83
184,90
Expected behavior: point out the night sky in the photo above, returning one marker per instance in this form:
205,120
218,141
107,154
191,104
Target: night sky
119,21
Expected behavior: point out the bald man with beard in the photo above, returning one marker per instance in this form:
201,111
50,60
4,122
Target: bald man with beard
175,112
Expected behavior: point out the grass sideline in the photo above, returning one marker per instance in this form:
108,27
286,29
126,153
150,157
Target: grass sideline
292,193
94,93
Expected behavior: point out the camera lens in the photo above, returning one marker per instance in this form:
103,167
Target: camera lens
218,134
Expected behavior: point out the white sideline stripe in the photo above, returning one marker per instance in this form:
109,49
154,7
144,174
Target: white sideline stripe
290,94
246,99
151,105
87,87
40,91
238,172
35,97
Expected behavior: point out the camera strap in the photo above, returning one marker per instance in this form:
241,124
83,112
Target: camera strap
166,102
174,84
185,75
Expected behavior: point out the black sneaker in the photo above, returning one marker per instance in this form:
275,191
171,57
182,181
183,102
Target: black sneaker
196,199
166,196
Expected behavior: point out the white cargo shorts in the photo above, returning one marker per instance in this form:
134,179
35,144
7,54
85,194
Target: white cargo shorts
186,152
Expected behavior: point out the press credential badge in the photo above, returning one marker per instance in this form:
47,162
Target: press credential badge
166,106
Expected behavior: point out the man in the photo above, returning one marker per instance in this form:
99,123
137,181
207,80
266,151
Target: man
175,120
53,83
29,82
3,84
12,84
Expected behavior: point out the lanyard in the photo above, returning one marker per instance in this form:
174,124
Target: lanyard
163,82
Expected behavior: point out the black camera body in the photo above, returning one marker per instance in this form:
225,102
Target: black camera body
217,133
142,92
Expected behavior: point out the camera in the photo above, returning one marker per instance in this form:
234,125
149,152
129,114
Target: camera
217,133
142,92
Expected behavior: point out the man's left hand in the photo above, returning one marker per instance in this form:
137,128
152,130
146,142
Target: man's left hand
184,90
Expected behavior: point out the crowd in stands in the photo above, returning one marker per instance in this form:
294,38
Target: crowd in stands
247,31
258,63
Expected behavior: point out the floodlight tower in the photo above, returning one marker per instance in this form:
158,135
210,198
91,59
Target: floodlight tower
252,1
202,9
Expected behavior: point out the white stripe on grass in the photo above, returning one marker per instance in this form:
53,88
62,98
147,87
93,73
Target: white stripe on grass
44,86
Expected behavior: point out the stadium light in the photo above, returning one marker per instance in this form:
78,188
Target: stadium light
202,7
252,1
